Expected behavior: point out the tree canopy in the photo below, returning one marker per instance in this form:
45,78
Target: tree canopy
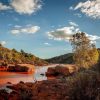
85,52
15,57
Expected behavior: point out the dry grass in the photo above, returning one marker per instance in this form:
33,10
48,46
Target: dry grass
84,85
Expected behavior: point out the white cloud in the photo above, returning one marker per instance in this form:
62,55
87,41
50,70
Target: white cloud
4,7
91,8
15,31
3,43
93,37
27,30
64,33
73,24
48,44
26,6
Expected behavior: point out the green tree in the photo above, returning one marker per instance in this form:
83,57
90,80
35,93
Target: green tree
22,51
14,50
85,52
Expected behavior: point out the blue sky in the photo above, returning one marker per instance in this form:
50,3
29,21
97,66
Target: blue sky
43,27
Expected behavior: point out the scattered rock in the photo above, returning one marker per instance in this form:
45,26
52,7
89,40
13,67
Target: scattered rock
21,82
9,83
57,71
42,74
3,95
43,90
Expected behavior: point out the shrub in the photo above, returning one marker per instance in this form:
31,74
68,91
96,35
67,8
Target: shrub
84,85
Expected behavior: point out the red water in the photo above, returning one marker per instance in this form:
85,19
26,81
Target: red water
14,78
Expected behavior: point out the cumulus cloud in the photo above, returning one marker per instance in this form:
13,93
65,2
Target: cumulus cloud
64,33
3,43
27,30
4,7
26,6
91,8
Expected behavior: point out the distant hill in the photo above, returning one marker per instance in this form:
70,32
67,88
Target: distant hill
63,59
8,56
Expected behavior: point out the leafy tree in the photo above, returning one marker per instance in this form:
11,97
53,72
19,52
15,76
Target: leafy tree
14,50
22,51
14,57
85,52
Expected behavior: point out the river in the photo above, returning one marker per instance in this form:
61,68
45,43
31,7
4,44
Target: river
14,78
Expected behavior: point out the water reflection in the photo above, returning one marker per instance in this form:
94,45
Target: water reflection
38,72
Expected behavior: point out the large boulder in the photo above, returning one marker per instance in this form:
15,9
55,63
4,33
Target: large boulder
57,71
21,68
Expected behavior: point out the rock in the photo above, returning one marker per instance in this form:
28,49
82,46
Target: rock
57,71
14,95
21,82
50,71
42,74
9,83
43,90
3,95
21,68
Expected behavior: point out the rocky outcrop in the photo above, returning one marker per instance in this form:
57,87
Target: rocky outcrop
21,68
44,90
57,71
